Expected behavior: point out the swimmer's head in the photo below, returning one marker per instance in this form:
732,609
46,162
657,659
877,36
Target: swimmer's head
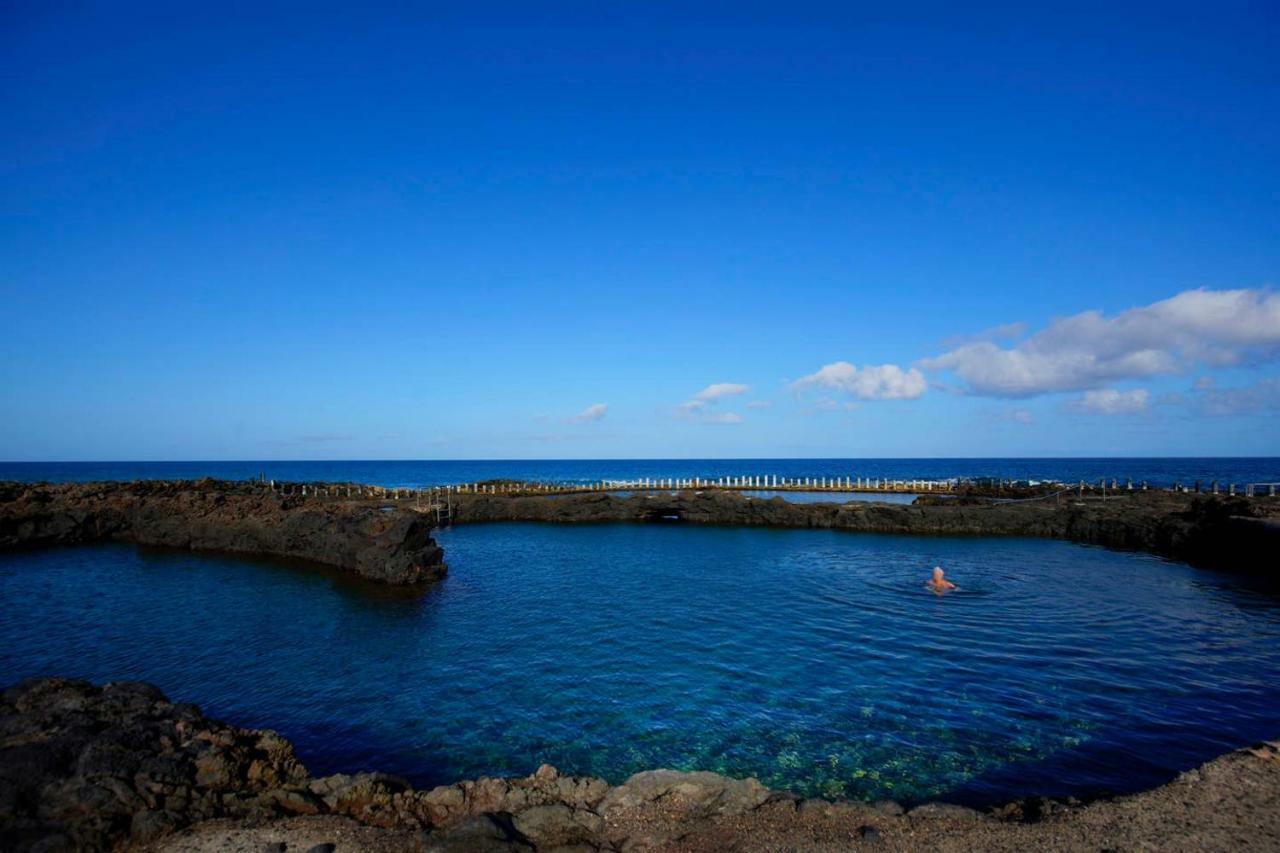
937,573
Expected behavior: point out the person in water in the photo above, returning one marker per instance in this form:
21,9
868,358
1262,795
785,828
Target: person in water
938,584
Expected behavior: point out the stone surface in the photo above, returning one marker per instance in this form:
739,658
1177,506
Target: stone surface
237,518
1220,532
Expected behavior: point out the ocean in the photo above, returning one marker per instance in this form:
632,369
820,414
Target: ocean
1156,471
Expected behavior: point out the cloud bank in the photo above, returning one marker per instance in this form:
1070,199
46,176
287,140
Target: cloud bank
1089,350
1109,401
873,382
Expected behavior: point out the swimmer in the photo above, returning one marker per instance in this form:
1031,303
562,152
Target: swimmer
938,584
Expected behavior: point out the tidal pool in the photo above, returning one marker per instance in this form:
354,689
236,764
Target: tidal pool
813,660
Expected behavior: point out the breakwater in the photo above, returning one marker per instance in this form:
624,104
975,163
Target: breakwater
236,518
766,482
383,534
1238,534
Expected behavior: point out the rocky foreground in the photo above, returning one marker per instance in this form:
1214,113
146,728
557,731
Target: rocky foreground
1232,533
118,766
392,546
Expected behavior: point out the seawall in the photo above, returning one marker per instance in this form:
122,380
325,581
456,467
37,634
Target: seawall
1230,533
393,546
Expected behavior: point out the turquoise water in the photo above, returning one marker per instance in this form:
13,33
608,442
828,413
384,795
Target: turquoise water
813,660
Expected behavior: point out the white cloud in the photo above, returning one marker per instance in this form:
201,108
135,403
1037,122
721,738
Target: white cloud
873,382
696,408
1109,401
721,389
590,414
1089,350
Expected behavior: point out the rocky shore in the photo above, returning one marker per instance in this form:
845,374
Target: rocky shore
118,766
387,541
1231,533
390,546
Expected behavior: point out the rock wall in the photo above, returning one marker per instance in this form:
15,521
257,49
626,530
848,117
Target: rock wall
1236,534
388,546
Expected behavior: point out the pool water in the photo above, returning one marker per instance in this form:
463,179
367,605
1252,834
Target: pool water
813,660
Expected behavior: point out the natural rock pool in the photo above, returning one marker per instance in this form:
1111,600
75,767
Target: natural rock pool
814,660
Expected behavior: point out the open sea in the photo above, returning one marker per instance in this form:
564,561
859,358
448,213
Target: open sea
414,474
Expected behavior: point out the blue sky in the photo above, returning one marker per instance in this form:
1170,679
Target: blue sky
626,230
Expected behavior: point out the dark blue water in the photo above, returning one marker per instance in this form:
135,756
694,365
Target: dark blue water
403,474
813,660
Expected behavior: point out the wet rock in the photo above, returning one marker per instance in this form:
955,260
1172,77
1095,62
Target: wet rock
869,835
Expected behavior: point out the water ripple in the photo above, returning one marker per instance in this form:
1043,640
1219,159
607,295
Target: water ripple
814,660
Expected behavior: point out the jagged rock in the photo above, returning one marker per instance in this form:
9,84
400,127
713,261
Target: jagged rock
89,764
240,518
1220,532
557,825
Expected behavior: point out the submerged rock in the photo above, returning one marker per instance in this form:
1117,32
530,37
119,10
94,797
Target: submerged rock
86,767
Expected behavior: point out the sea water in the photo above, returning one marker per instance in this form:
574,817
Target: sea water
814,660
417,473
